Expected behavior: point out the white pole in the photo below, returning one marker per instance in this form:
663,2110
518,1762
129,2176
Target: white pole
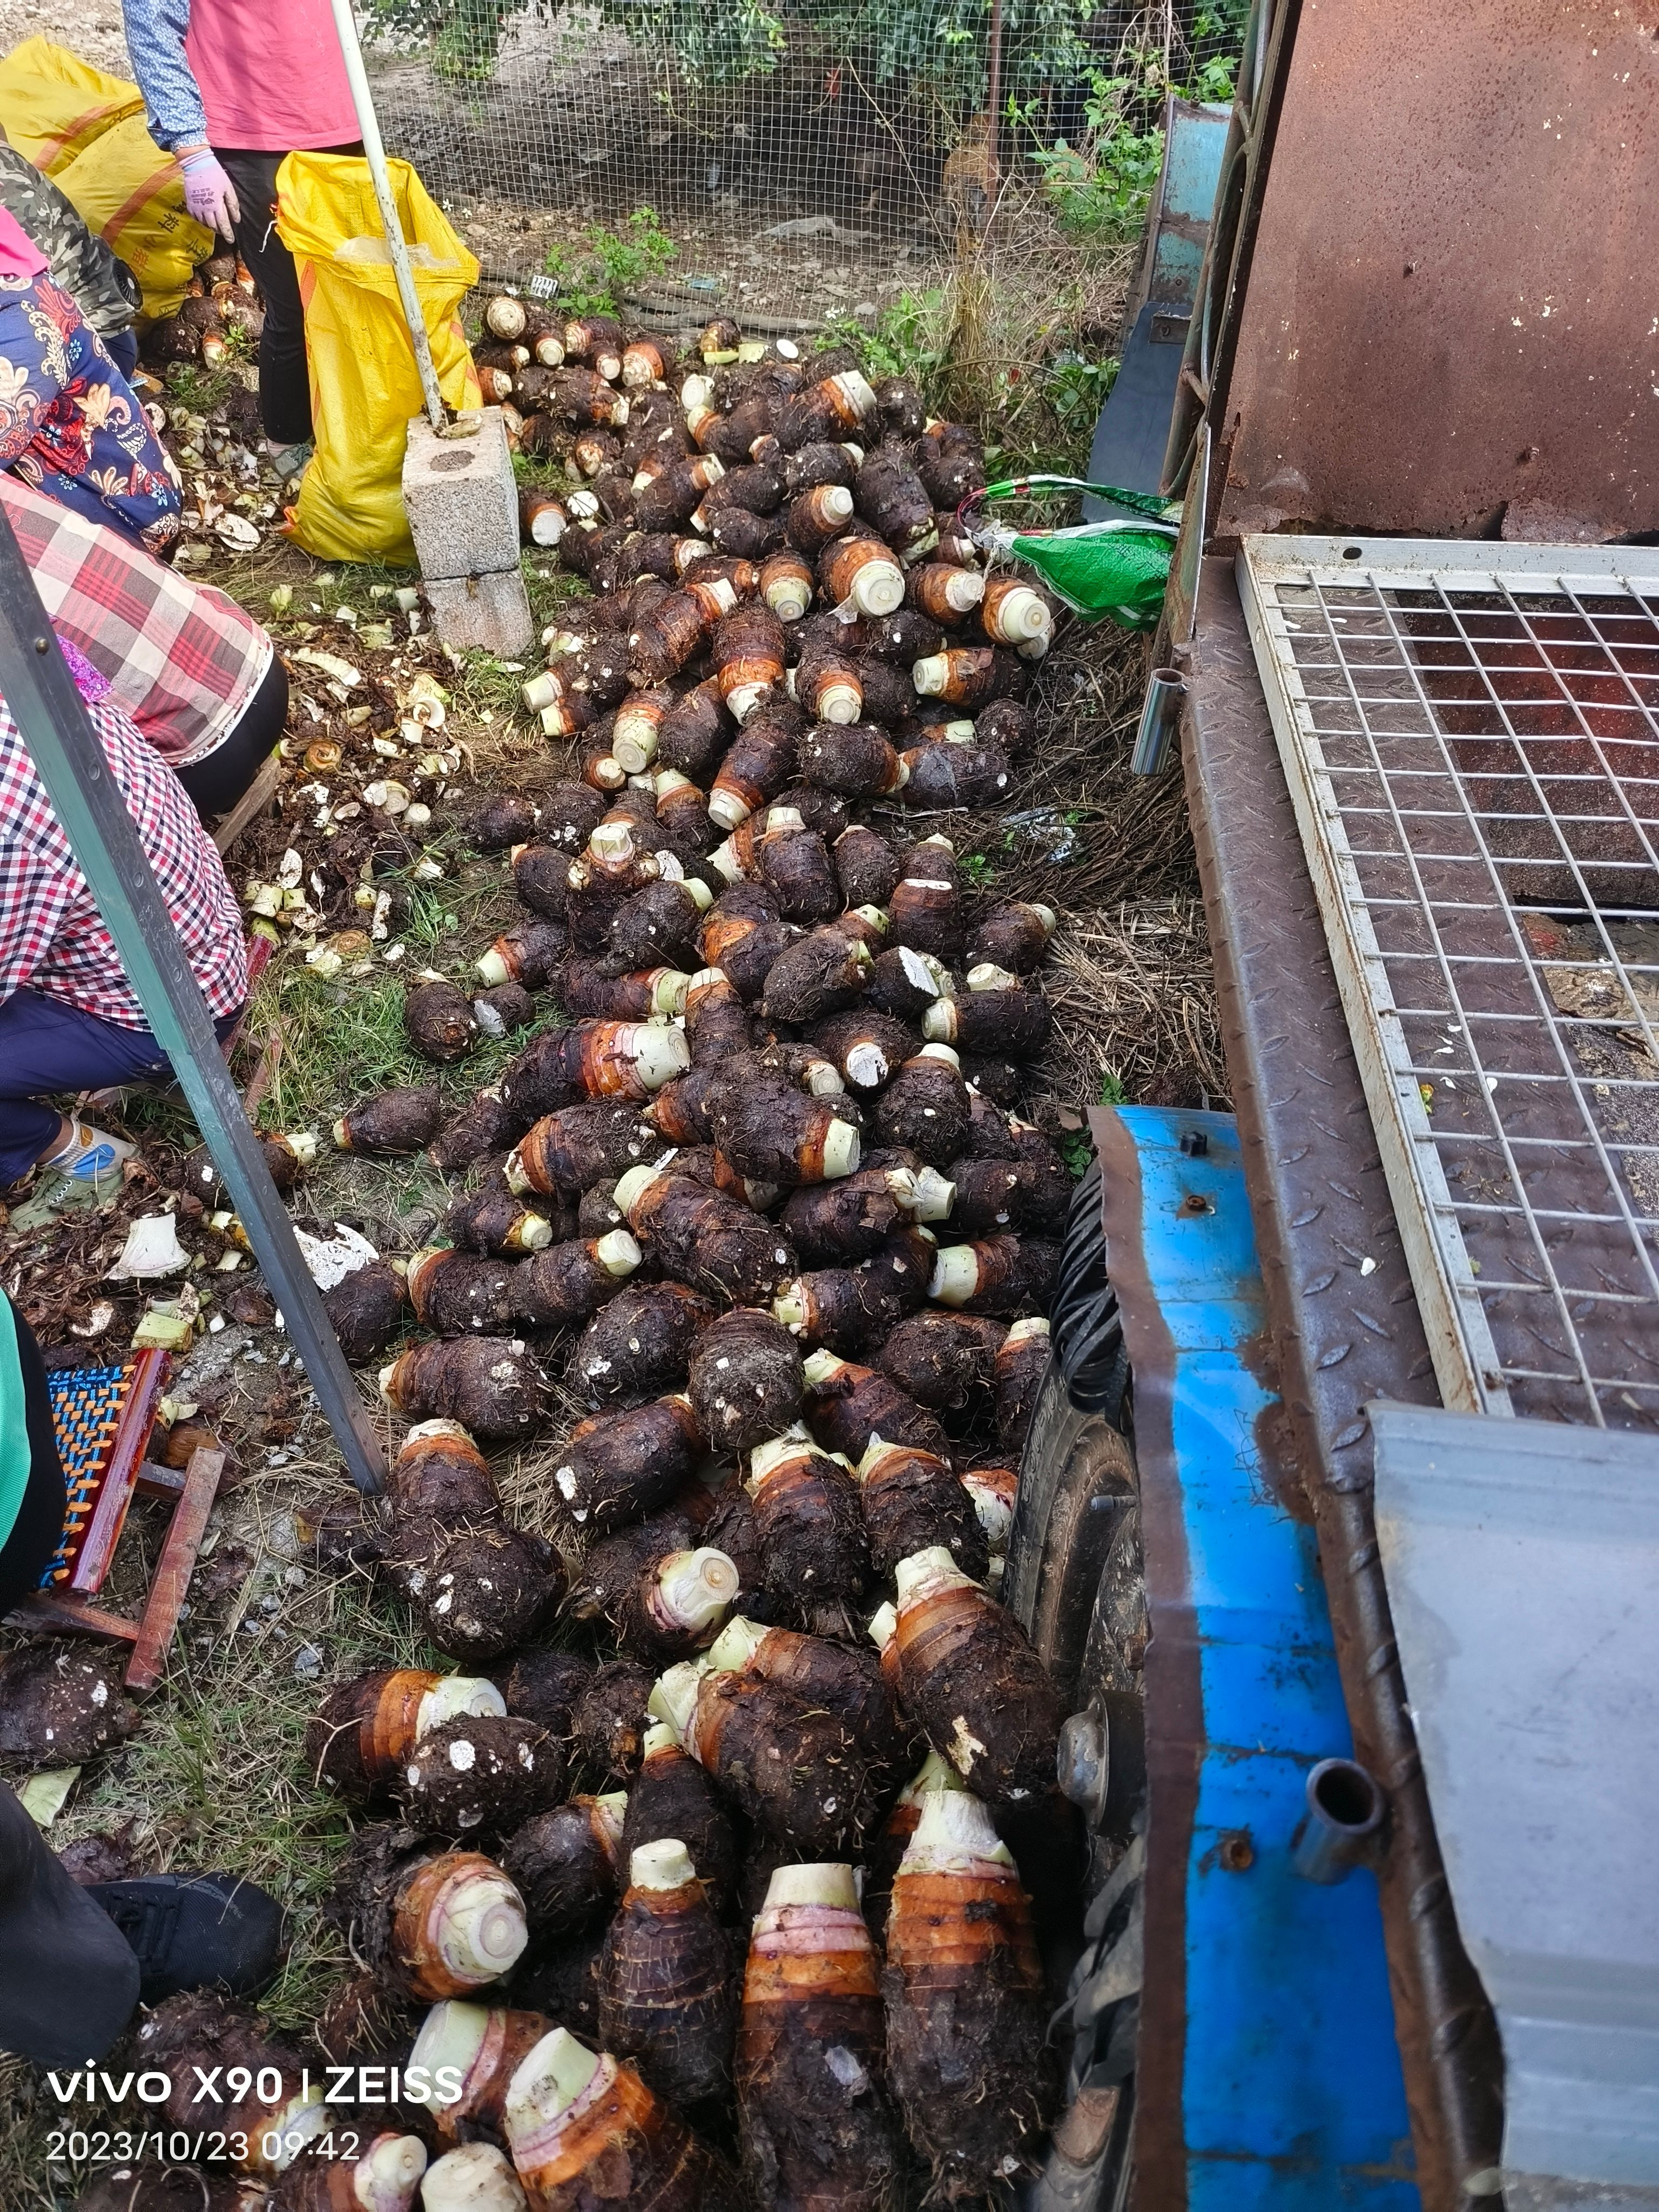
368,126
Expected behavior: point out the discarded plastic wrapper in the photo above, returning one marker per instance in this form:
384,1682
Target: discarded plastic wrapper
1114,569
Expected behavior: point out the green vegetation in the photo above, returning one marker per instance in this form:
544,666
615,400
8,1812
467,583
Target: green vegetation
594,277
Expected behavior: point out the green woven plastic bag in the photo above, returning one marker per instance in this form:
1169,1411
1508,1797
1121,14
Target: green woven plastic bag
1118,569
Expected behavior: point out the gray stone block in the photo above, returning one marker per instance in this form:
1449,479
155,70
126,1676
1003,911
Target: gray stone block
491,613
463,503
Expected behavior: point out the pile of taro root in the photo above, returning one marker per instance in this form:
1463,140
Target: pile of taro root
719,1872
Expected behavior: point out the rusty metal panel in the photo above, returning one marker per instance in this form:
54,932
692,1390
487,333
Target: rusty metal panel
1450,323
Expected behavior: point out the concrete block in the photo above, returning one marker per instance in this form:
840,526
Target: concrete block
462,502
491,613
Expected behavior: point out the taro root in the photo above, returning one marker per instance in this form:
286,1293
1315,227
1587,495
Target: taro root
704,1238
760,760
820,974
287,1157
485,1125
61,1704
458,1294
530,954
576,2123
628,1060
825,1308
656,927
365,1729
497,1225
861,573
924,912
561,1287
848,1405
995,1491
571,812
809,1519
679,1112
953,773
791,1766
925,1107
543,1688
672,1796
865,865
479,1775
745,1380
845,1680
1032,1197
576,1147
745,946
440,1475
364,2021
747,653
434,1924
489,1385
854,759
1014,937
682,811
1009,723
950,462
694,732
865,1046
395,1123
598,882
474,2177
595,341
1022,1363
970,1679
1013,613
913,1503
816,2124
561,1978
716,1021
996,1274
786,585
661,1599
970,676
503,1008
479,1588
609,1720
944,593
564,1863
150,2186
887,1850
966,2011
580,397
438,1020
904,982
1002,1016
667,637
817,516
895,1280
821,462
480,2046
666,1996
774,1134
892,499
942,1359
617,1467
367,1310
667,502
196,2028
639,1342
795,865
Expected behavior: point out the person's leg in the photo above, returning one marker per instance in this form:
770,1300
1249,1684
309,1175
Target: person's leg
68,1978
122,347
284,381
35,1532
48,1047
89,442
217,781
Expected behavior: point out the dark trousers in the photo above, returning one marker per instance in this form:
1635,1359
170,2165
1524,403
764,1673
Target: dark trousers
285,384
33,1537
48,1047
218,780
68,1978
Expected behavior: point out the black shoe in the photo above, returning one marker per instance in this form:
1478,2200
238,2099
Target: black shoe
195,1932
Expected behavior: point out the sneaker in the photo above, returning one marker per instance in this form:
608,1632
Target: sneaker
289,461
88,1155
195,1932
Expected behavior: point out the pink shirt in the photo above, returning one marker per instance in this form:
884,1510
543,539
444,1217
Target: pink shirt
19,255
271,74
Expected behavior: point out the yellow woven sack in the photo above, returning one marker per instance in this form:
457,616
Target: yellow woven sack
53,104
125,188
364,385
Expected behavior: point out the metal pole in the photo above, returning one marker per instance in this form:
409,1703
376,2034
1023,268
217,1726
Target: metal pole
52,719
346,24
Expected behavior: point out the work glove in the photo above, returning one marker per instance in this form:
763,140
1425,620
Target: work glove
209,196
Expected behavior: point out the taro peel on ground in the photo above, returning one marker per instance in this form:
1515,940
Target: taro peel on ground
966,2014
364,1731
970,1678
818,2126
584,2132
564,1863
479,2047
667,1999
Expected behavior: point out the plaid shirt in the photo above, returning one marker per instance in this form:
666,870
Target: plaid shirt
182,659
52,937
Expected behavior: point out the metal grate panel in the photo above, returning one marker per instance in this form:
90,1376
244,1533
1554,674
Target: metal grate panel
1471,741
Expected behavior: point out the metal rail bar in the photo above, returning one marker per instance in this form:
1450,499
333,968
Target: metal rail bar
51,719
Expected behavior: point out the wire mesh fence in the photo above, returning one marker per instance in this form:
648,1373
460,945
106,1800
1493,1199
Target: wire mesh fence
839,157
